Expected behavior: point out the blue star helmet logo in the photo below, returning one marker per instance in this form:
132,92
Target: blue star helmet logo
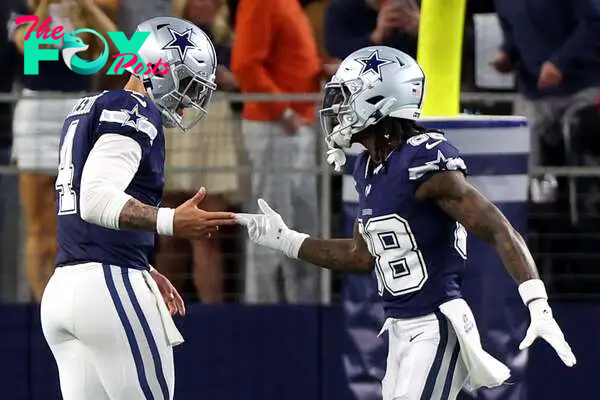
181,42
373,64
133,118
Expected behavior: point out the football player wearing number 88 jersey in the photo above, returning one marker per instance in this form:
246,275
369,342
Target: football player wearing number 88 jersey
415,208
105,311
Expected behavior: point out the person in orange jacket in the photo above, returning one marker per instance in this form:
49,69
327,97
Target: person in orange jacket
275,52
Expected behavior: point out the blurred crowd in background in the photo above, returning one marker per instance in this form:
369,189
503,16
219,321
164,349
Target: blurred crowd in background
246,149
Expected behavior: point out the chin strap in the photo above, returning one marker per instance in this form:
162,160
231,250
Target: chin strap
337,158
147,85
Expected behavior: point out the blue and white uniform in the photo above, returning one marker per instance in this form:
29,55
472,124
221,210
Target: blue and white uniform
101,314
121,115
420,255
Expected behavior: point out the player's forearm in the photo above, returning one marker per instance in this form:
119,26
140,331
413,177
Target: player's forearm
136,215
515,254
335,254
108,171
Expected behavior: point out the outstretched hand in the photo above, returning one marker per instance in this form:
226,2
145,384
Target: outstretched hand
191,222
543,325
268,229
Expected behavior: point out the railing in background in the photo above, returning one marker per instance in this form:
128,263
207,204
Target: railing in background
565,249
233,352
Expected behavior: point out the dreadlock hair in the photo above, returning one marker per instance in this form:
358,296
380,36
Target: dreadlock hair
391,133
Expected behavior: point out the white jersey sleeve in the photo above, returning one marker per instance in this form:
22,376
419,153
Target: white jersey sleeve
108,171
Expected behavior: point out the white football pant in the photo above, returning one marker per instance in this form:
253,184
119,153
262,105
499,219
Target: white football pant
423,360
104,329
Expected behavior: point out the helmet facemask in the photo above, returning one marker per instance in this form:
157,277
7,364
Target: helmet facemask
190,96
344,113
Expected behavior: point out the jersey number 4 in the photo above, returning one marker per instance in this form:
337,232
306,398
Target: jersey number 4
67,197
399,264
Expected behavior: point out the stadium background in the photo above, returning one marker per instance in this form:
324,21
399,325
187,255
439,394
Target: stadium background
310,351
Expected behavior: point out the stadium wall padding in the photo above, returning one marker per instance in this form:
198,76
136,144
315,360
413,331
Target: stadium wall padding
277,353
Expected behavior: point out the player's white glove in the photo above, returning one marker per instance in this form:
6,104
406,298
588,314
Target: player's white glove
269,230
543,325
337,158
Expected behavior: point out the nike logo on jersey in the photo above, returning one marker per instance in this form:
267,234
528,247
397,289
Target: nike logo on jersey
415,336
430,146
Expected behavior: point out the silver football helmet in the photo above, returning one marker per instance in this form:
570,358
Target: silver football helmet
370,84
183,92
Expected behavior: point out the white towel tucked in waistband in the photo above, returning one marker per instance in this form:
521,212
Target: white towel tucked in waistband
174,338
484,370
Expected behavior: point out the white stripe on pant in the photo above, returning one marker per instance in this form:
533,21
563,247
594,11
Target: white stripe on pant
423,361
104,329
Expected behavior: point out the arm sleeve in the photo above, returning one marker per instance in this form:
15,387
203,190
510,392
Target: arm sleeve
108,171
434,156
584,40
253,39
341,38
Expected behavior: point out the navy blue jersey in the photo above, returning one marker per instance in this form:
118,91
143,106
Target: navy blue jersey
419,250
112,112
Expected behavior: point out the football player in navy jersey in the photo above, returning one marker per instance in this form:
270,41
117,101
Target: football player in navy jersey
415,207
106,312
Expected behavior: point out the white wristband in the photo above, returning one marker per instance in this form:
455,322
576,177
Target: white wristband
294,241
164,221
532,289
152,268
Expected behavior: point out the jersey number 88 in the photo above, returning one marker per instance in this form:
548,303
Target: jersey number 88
399,264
